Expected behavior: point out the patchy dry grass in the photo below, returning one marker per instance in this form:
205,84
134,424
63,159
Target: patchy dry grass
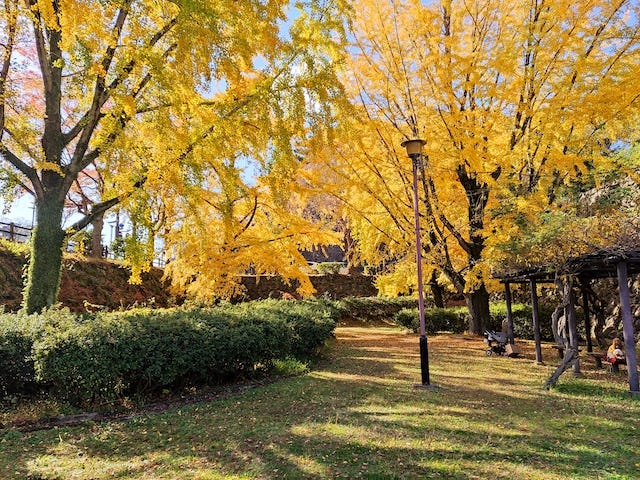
357,416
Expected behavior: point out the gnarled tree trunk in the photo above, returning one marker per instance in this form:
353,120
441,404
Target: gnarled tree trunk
478,305
571,358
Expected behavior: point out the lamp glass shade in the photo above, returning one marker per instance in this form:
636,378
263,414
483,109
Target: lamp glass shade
414,147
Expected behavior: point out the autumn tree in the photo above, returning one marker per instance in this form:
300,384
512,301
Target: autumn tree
147,92
597,210
513,100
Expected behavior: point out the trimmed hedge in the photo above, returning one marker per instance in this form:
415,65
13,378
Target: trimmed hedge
455,319
523,319
108,355
452,320
373,308
18,333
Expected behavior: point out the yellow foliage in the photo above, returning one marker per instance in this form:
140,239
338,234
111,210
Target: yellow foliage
48,13
186,114
516,102
400,280
48,166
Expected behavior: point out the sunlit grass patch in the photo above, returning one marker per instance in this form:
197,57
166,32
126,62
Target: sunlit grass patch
289,367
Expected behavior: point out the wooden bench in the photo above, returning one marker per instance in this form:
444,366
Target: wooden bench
560,349
598,357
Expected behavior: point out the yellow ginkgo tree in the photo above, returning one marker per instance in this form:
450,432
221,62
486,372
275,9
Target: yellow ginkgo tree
159,97
512,99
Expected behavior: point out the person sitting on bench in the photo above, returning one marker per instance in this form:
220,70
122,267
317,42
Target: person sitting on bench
615,353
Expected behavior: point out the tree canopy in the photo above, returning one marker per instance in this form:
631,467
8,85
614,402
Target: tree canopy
515,101
221,128
164,100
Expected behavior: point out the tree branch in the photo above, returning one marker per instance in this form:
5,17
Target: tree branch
97,210
25,169
100,208
87,125
99,88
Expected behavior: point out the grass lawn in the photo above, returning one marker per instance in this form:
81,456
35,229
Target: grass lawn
356,415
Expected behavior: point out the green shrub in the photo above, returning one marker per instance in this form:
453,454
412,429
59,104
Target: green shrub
373,308
142,350
435,320
16,366
523,319
18,332
324,268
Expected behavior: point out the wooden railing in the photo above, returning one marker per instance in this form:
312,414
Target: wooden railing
14,232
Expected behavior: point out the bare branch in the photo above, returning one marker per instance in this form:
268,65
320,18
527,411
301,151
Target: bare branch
11,14
100,208
25,169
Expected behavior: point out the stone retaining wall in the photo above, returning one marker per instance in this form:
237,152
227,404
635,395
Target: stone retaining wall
334,286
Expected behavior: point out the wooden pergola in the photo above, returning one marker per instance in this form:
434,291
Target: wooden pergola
616,263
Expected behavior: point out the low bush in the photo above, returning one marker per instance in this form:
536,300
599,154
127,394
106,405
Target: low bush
108,355
523,319
18,332
324,268
373,308
452,320
455,319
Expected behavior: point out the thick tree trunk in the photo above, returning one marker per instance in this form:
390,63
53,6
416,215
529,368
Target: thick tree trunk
437,291
96,236
45,263
478,305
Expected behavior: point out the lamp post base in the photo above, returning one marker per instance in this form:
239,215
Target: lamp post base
424,360
428,386
424,366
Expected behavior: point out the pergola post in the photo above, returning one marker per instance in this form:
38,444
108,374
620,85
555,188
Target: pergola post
627,328
585,308
535,312
570,312
507,289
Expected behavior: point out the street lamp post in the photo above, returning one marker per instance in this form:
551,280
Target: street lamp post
414,151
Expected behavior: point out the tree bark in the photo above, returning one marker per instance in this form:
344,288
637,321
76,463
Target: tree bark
478,305
96,237
45,264
437,291
570,358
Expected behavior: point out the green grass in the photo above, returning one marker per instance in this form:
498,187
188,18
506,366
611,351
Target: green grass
357,415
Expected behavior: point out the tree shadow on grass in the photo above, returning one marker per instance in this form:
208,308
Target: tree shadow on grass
359,417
